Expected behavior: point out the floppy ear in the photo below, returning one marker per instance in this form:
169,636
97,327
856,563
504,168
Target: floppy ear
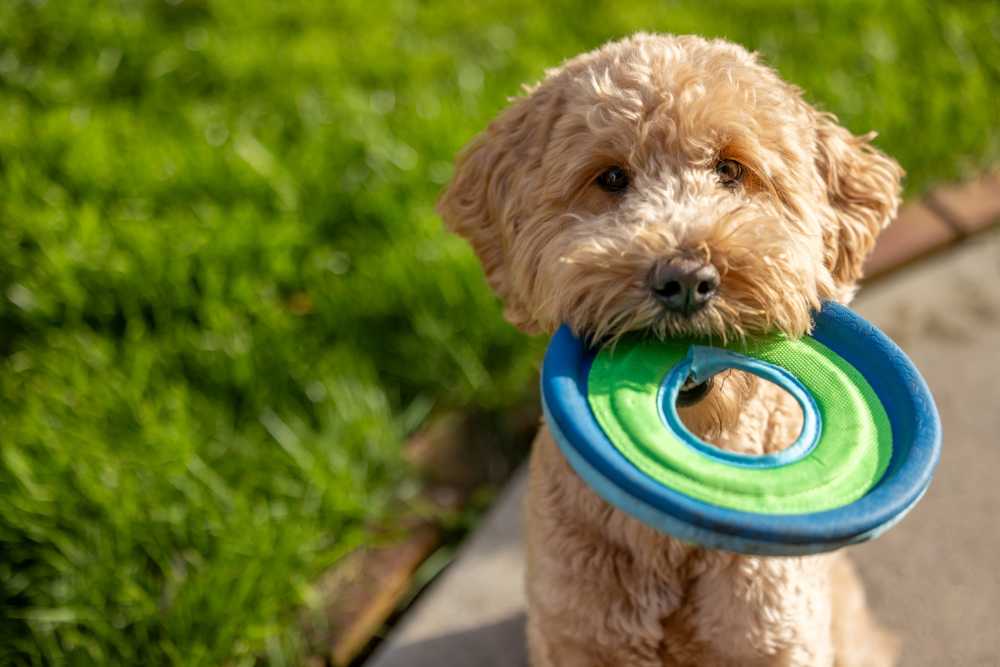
495,182
863,188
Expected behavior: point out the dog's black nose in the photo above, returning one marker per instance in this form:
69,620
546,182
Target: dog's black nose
684,285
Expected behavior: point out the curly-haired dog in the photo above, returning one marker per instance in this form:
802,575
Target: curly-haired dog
674,185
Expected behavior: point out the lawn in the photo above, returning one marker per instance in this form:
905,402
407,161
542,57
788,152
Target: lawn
225,300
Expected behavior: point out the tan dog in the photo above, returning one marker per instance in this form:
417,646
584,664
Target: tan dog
675,185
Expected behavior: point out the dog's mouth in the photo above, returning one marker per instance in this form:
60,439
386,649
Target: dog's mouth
692,392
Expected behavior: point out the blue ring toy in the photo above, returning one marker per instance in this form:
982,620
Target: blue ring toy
704,362
912,415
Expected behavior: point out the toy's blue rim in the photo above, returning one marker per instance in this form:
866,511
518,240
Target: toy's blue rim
702,363
916,431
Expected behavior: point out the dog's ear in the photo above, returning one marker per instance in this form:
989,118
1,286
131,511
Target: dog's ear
863,188
492,189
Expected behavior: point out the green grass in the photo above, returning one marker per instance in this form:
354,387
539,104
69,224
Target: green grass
225,299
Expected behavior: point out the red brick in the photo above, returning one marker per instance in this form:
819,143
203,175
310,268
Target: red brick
970,206
915,232
359,593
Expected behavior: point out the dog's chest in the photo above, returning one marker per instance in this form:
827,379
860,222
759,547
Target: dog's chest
744,610
694,606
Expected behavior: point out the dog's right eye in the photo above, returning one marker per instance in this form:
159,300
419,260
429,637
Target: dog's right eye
614,179
730,172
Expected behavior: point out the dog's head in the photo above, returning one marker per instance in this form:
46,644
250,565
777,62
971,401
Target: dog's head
669,184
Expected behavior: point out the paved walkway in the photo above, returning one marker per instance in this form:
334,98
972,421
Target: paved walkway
935,579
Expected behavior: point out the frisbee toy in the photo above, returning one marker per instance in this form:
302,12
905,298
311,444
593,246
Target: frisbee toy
870,439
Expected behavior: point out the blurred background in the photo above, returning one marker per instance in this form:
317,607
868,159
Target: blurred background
226,302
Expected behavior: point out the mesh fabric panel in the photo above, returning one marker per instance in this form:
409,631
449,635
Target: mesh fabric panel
853,451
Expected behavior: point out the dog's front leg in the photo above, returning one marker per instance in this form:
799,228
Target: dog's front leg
750,611
599,585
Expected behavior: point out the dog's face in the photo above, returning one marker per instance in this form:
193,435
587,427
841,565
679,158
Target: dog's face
669,184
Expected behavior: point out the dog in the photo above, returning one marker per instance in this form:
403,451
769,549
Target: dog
674,185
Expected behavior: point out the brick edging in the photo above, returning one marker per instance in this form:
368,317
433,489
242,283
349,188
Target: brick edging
944,216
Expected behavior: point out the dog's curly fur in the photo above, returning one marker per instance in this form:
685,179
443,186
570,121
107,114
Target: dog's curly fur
604,589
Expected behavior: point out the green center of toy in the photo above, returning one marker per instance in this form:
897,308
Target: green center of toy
851,453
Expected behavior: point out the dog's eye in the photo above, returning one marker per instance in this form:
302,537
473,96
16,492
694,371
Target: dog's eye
730,172
614,179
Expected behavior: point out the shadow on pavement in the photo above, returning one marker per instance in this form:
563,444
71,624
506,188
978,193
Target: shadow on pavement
494,644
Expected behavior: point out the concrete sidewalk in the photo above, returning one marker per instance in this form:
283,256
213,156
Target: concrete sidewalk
935,579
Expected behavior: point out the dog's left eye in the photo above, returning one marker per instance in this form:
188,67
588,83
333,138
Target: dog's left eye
614,179
730,172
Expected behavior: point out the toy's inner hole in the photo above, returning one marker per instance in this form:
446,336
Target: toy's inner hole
722,410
